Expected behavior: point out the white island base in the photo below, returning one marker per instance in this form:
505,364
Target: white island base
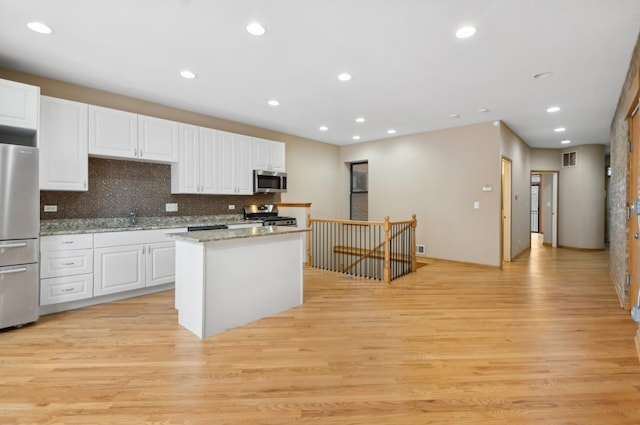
222,283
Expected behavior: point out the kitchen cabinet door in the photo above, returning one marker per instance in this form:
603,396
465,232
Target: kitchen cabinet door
157,139
235,164
19,105
185,174
118,269
268,155
63,143
113,133
160,263
197,169
208,161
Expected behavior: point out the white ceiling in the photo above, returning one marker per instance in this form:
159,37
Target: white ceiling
409,71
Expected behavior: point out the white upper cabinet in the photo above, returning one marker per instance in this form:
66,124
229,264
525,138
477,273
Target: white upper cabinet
19,105
113,133
64,161
120,134
157,139
196,171
268,155
235,165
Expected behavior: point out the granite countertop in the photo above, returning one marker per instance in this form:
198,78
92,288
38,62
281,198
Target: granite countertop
225,234
101,225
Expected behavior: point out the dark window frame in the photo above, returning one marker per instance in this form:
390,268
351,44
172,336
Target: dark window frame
356,191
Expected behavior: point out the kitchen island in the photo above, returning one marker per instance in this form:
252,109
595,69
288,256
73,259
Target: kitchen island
227,278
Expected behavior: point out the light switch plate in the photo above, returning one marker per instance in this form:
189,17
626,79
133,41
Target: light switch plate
171,207
50,208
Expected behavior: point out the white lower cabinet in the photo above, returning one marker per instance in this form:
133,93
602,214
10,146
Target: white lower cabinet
160,263
66,268
124,261
118,269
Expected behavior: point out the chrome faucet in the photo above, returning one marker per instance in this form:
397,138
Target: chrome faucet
132,218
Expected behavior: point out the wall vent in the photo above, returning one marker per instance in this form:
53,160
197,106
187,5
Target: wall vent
419,249
569,159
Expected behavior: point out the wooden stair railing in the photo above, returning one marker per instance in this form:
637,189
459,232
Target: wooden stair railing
382,251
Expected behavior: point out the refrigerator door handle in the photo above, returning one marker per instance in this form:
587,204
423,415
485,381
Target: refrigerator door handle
16,270
13,245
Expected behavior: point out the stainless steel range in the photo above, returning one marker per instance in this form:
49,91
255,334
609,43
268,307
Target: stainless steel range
269,215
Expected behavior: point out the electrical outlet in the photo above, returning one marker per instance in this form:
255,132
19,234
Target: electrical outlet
420,249
232,207
50,208
171,207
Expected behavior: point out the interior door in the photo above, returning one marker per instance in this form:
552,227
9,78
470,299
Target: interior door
633,194
506,210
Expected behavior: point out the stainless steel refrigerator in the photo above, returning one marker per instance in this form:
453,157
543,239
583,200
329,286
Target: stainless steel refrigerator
19,234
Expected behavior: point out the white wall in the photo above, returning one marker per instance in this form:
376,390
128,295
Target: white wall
438,176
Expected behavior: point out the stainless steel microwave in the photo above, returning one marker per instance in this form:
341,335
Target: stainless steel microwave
269,181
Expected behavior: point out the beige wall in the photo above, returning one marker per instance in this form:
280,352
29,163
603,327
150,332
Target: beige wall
314,173
438,176
581,192
581,199
518,152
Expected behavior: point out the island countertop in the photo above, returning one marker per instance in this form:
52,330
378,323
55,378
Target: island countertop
226,234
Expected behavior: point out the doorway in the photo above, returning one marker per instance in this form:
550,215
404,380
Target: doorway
544,192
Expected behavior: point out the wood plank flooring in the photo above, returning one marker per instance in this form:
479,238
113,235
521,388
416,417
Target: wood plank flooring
543,341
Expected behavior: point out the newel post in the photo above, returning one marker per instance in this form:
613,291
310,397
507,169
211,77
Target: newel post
414,224
309,236
387,251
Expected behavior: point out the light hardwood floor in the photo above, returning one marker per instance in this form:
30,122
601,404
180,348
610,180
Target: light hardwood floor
543,341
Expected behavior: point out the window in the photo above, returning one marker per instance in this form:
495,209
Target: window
360,191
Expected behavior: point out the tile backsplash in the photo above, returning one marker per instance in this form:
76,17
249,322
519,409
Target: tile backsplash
117,187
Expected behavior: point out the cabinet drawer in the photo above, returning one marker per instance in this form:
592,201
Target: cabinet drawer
68,288
66,263
66,242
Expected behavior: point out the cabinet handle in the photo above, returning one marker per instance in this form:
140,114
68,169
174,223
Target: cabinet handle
66,242
85,184
69,264
140,152
135,152
67,290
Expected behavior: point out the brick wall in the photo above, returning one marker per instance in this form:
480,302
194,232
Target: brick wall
618,252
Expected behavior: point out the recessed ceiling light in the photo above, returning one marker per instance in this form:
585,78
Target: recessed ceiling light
565,141
454,116
542,75
465,32
356,137
553,109
187,74
344,76
39,27
360,120
273,102
323,128
482,110
391,131
559,129
256,28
